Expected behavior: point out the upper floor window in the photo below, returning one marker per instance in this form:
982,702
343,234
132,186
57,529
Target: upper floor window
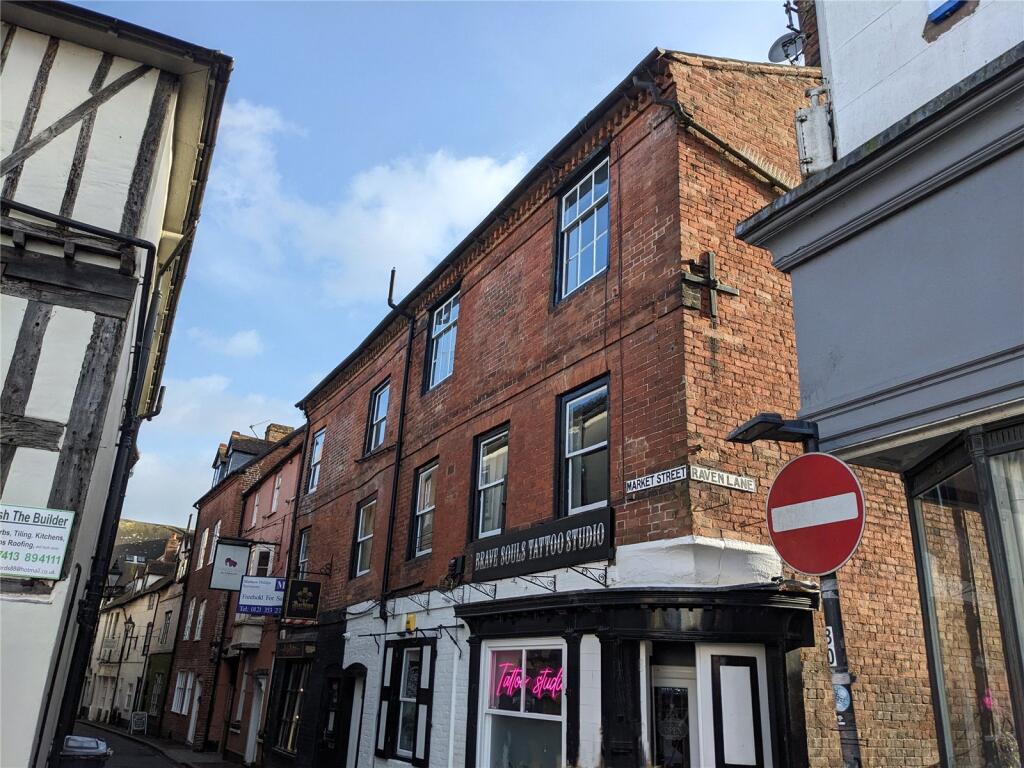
443,326
492,471
255,510
260,561
583,227
423,523
165,628
202,548
213,545
200,618
187,632
378,421
276,498
584,479
364,537
315,452
302,562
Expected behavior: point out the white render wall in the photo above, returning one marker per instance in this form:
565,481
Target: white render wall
881,67
685,562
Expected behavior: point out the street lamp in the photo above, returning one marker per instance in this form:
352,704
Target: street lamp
114,575
771,426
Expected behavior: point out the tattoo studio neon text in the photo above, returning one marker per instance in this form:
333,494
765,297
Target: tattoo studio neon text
512,679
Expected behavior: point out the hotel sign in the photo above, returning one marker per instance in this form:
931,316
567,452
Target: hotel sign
580,538
694,473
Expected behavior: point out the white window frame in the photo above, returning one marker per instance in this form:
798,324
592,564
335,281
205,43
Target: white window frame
254,560
202,548
481,487
367,539
439,328
190,684
212,552
165,629
255,510
200,619
373,439
275,500
404,700
302,559
422,511
316,453
485,711
568,455
566,228
179,692
187,633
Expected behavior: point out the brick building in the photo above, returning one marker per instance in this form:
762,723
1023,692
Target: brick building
200,682
534,544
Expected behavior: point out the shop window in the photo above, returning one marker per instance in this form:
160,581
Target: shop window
491,476
295,677
584,464
523,705
403,723
583,240
967,651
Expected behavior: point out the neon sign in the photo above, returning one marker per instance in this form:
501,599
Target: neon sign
512,679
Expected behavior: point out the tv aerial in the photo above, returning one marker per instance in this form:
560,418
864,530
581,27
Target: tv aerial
789,48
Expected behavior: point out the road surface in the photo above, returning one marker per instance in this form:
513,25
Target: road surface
127,753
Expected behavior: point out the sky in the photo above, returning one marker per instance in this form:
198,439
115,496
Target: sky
357,137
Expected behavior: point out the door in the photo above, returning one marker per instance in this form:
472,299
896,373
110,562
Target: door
355,720
732,695
255,713
674,732
196,693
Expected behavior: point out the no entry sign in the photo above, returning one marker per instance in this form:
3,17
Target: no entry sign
815,513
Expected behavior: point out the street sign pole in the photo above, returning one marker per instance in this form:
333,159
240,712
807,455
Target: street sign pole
835,644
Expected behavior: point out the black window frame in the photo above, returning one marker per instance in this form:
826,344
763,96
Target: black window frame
474,490
385,735
315,460
353,571
561,462
601,155
433,464
428,345
375,393
282,702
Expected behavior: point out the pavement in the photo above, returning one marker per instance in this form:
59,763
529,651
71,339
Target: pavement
137,751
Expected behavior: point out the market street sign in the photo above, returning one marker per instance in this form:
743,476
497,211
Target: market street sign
580,538
33,541
230,562
261,595
815,513
696,474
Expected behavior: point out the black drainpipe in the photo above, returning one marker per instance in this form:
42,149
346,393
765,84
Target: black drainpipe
411,318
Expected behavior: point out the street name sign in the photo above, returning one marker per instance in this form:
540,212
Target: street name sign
815,513
694,473
33,541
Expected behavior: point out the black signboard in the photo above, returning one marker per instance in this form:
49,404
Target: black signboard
580,538
302,600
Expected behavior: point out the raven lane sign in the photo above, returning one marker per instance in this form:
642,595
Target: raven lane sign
694,473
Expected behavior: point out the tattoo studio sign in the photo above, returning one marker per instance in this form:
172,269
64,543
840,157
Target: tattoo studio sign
581,538
693,473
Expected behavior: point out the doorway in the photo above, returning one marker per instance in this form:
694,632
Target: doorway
675,736
196,694
255,712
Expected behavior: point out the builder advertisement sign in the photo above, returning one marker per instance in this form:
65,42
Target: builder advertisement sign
581,538
33,541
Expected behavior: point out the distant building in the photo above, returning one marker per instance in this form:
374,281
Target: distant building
106,139
138,543
906,255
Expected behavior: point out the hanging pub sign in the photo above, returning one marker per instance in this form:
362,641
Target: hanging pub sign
261,595
230,562
580,538
302,600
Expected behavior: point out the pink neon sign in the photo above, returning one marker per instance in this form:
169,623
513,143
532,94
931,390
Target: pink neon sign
512,679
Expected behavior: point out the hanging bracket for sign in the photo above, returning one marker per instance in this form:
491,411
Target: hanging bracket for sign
422,600
449,596
598,575
484,588
544,582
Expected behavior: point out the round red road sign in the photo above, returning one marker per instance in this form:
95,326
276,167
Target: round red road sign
815,513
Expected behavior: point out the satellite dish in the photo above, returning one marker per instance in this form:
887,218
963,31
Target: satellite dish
787,48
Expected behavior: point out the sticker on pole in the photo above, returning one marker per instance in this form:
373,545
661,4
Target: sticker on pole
815,513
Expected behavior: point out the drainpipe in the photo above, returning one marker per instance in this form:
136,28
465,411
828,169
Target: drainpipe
411,318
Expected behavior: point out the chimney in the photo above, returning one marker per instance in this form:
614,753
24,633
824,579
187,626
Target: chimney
808,16
277,432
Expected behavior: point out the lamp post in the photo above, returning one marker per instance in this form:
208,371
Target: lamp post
772,426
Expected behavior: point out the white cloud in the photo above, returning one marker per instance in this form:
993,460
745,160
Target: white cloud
177,448
405,213
240,344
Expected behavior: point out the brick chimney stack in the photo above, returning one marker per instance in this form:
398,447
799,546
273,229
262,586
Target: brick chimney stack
277,432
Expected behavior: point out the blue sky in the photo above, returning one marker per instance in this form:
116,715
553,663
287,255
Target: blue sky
358,136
